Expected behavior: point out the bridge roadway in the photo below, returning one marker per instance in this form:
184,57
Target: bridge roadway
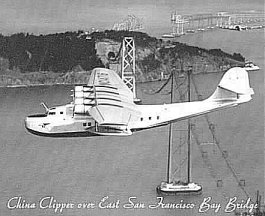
199,22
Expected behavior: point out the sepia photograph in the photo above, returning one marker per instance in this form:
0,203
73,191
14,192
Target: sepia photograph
119,107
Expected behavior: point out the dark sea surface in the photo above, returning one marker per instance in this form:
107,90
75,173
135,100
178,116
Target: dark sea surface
84,170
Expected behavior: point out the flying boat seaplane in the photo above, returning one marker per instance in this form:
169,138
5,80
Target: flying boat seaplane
105,107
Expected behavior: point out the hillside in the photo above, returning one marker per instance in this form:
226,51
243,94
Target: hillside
65,57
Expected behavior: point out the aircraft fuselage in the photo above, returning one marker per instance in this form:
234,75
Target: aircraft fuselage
62,122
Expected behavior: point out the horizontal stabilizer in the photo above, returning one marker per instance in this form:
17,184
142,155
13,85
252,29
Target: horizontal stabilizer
236,80
234,86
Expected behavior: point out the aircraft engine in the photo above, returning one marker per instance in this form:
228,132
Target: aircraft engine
84,99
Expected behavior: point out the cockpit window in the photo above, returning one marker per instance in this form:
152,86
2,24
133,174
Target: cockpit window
51,113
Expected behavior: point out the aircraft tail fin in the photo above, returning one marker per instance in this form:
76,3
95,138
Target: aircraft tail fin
234,86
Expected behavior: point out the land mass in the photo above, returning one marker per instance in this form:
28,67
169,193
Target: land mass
68,58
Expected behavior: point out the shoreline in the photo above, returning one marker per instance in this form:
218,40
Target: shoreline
80,83
77,83
37,85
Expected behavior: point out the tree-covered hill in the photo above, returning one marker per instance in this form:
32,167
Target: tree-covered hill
70,52
58,52
63,52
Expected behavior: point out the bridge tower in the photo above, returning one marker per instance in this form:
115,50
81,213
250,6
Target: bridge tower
128,65
178,24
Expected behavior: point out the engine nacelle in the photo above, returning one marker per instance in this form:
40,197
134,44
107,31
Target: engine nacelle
84,99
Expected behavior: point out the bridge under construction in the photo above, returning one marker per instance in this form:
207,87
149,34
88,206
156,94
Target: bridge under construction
182,24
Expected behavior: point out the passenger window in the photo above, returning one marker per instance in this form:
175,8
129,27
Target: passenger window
157,117
89,124
150,118
61,112
84,124
142,119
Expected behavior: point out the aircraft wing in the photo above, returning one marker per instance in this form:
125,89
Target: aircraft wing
110,81
113,100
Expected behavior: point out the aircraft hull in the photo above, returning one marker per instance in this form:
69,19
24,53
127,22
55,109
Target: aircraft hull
65,134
